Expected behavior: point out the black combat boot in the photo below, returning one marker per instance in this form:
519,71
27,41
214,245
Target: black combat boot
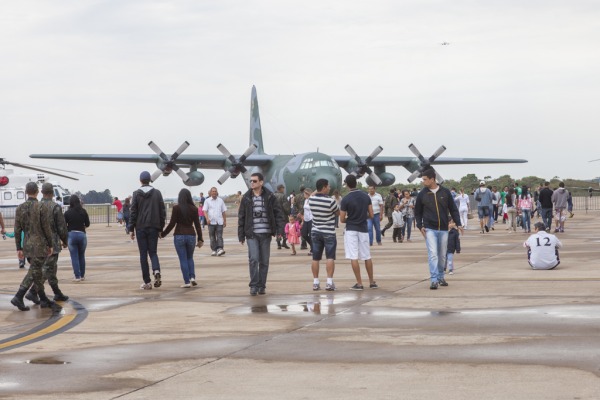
284,244
45,302
278,240
32,295
17,301
21,263
58,295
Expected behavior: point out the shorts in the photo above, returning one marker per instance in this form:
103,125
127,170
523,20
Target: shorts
357,245
483,211
560,214
119,215
323,241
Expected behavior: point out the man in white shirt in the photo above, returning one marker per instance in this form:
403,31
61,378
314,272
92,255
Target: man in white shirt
542,248
375,222
214,211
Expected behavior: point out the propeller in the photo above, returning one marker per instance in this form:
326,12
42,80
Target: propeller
237,164
48,170
168,164
425,163
363,167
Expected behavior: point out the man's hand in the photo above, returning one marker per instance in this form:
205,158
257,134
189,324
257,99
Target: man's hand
224,224
65,245
20,255
132,235
422,231
242,242
199,244
461,230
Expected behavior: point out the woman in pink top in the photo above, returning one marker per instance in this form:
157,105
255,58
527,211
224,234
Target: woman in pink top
525,206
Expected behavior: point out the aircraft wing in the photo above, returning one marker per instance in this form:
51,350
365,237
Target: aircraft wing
208,161
383,161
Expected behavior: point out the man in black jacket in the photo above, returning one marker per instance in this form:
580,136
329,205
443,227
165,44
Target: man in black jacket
433,206
147,218
260,217
545,200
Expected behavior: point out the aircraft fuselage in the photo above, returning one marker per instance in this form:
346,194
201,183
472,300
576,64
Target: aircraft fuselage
301,170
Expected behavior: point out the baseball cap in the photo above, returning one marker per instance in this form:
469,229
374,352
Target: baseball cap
482,183
145,176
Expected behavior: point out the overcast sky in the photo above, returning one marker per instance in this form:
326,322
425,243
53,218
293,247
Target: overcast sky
519,80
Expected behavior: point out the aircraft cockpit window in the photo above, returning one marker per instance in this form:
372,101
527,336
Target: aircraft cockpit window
307,164
335,164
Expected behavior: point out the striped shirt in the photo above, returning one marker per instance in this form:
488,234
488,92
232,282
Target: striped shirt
324,210
260,220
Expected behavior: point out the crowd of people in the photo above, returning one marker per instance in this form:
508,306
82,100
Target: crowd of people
309,219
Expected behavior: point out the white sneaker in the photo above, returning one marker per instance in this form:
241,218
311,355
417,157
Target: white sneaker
214,253
76,279
220,252
185,285
193,282
450,273
146,286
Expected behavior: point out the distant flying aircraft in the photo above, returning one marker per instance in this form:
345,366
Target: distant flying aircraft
445,43
291,170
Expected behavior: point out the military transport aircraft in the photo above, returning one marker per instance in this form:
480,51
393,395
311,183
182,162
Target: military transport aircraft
294,171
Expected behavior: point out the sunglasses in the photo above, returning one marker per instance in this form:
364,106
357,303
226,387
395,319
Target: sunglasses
254,180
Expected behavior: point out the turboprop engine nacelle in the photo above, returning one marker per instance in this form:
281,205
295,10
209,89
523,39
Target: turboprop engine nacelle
195,178
387,179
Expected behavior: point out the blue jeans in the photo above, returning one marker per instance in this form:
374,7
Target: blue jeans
77,242
323,241
526,219
184,246
147,240
374,223
215,233
547,217
259,252
437,248
407,227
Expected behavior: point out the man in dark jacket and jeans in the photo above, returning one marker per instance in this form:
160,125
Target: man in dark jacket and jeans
434,204
260,217
148,217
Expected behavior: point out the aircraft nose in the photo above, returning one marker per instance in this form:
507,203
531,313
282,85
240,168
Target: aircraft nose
334,182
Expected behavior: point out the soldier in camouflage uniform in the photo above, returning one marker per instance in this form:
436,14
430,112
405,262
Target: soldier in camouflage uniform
59,236
285,206
33,219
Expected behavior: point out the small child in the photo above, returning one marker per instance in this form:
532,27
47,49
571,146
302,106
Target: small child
292,232
397,224
453,246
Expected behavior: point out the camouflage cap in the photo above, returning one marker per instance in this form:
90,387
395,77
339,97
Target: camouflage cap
47,188
31,188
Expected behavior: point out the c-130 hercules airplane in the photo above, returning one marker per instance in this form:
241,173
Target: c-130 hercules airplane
293,171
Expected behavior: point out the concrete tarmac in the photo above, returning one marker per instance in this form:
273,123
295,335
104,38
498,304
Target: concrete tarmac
498,331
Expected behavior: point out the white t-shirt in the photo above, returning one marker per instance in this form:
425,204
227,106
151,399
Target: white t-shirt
214,209
543,250
462,201
377,202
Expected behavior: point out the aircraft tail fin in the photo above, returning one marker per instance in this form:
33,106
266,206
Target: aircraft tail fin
255,129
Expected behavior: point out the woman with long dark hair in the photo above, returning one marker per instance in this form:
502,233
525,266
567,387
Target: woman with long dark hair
525,205
184,219
77,220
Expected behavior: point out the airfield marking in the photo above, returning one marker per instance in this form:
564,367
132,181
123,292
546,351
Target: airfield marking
57,323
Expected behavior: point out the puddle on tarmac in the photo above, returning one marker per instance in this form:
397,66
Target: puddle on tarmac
325,304
103,304
47,361
571,312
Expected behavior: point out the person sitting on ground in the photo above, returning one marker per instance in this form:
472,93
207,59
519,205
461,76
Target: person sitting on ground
542,248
